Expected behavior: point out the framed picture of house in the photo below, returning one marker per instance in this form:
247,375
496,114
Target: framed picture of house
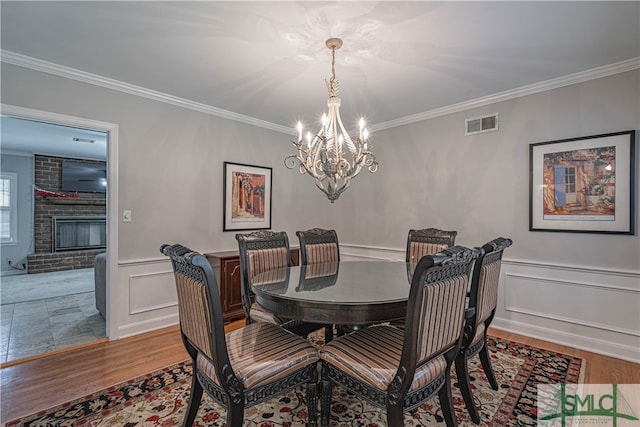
247,197
583,185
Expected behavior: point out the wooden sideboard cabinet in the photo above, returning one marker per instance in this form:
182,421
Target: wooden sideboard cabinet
226,266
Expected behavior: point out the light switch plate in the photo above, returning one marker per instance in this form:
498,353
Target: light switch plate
126,215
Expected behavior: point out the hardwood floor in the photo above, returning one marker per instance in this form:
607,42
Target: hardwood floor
52,380
600,369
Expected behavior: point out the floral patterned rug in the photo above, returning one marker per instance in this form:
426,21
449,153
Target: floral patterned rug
160,398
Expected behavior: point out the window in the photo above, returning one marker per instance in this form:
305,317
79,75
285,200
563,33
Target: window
8,209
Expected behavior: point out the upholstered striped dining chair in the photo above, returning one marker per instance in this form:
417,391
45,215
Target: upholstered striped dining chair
416,361
245,366
318,245
483,299
260,251
263,251
428,241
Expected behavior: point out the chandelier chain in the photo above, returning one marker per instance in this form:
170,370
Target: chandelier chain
333,64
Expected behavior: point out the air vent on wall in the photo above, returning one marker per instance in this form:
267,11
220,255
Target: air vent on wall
90,141
481,124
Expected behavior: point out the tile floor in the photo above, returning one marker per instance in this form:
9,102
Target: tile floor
63,316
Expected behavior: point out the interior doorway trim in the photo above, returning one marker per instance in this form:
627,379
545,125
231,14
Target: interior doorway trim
112,184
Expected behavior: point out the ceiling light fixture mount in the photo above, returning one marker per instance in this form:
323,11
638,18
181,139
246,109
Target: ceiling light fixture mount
331,157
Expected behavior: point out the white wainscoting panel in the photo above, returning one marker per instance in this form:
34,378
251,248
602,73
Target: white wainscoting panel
145,298
596,310
586,308
591,309
587,304
151,291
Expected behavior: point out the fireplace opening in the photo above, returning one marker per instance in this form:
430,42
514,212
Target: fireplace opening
73,233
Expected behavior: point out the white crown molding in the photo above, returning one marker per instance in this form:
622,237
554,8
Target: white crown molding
94,79
71,73
583,76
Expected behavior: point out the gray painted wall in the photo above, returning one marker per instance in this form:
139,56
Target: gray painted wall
432,175
171,164
170,170
170,175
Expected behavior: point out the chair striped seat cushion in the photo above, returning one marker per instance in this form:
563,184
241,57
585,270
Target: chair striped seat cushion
259,314
359,354
419,249
322,252
261,353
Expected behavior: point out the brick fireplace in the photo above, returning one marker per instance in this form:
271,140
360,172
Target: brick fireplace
68,232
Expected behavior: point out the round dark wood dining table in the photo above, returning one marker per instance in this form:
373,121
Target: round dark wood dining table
342,293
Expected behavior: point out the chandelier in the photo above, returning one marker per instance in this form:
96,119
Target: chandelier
331,157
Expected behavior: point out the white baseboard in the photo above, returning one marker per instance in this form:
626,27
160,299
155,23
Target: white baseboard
581,342
147,325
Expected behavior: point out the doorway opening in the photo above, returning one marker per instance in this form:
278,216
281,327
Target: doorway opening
49,291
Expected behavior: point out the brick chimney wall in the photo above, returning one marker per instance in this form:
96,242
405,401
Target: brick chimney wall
48,176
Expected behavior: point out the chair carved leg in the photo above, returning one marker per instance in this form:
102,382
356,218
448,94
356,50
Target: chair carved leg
194,401
486,366
325,402
328,334
235,415
395,416
446,403
312,403
465,387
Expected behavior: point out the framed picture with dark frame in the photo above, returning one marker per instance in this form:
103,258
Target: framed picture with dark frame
583,185
247,197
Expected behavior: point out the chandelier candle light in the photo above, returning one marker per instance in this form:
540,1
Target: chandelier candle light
331,157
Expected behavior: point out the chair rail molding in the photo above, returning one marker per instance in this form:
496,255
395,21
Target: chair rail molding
353,252
538,299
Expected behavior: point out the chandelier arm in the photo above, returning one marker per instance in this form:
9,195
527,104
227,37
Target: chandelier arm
336,139
347,138
315,154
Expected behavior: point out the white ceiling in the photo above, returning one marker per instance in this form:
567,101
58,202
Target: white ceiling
20,136
267,60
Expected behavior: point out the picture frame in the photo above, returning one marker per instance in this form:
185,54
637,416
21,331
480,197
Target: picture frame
247,197
583,185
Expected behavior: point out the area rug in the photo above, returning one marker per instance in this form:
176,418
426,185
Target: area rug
160,398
